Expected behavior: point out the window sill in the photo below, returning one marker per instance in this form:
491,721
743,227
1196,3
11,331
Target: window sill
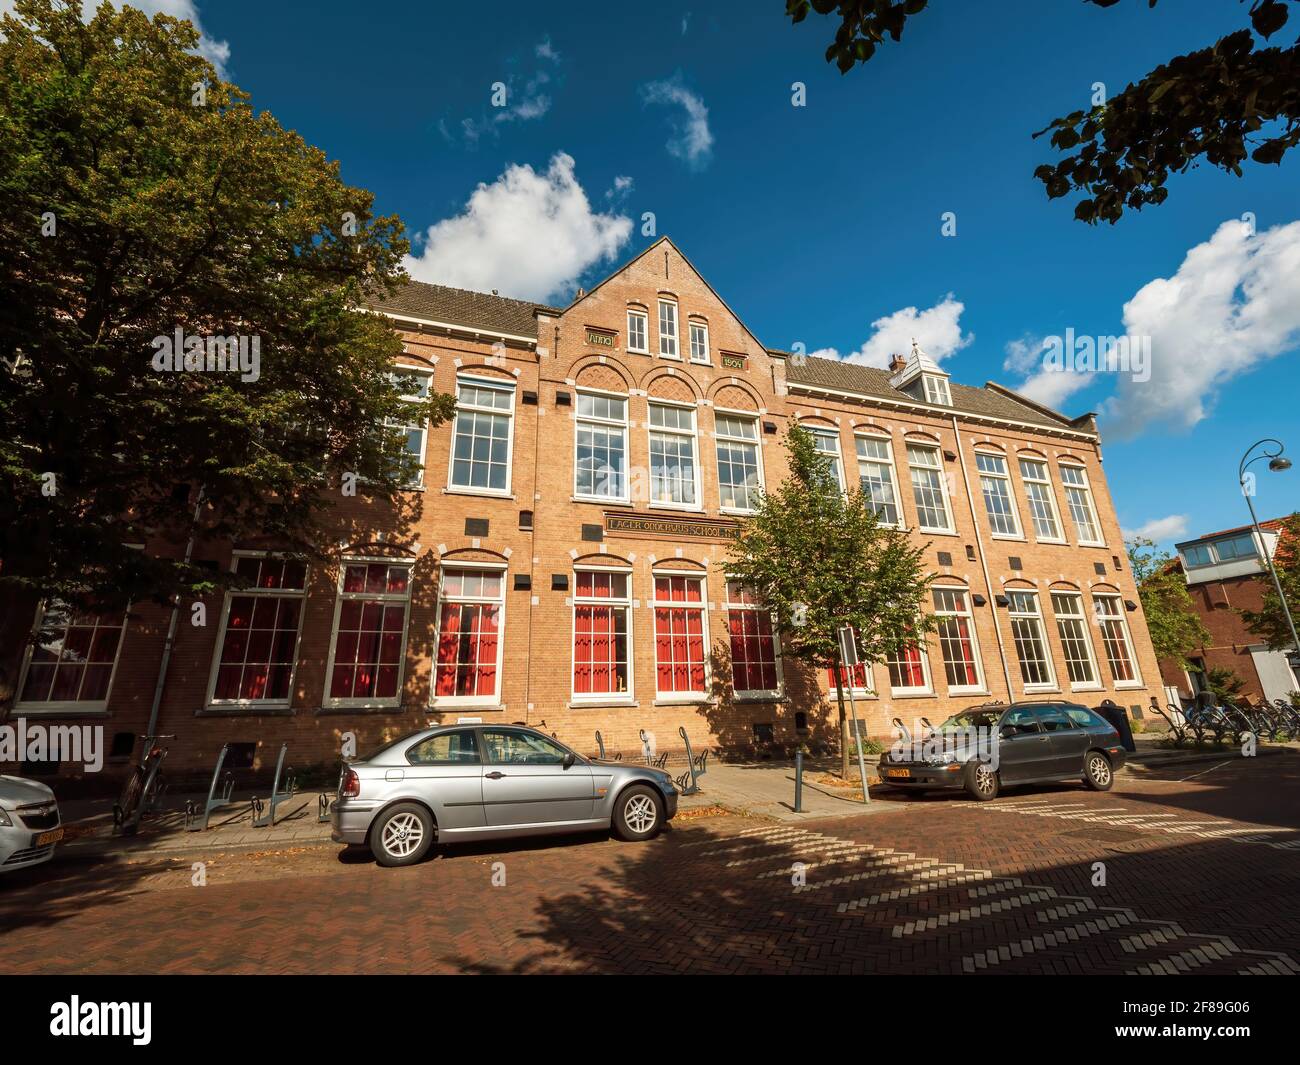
1087,688
485,493
1007,536
937,532
439,707
1055,543
913,695
966,692
670,358
735,513
366,708
1092,543
600,704
700,700
57,710
757,697
682,508
236,710
1038,689
1128,686
638,351
601,501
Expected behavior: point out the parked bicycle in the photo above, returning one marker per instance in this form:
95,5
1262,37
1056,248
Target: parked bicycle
143,787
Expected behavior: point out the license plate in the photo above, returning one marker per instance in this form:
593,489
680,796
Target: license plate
899,774
46,838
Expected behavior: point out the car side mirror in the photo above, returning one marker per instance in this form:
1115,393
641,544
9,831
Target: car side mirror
1008,732
569,759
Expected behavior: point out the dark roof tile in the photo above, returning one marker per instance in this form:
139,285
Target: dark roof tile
458,306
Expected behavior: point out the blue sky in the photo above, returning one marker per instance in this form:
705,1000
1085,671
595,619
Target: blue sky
816,222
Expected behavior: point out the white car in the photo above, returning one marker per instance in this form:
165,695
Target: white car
29,823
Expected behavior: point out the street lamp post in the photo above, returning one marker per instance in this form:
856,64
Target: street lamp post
1276,462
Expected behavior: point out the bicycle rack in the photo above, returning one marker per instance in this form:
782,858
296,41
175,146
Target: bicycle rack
903,729
325,800
196,822
600,742
657,763
695,767
277,796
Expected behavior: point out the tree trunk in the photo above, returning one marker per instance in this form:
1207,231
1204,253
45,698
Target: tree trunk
844,722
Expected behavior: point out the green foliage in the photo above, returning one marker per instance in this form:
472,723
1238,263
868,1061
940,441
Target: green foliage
1212,104
820,559
175,205
1269,622
1224,683
1176,629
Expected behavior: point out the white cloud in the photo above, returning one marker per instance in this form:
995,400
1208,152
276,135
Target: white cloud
620,190
1158,530
216,52
521,105
528,234
937,329
545,50
691,140
1232,304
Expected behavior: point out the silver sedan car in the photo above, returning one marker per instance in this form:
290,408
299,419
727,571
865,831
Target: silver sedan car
29,823
461,783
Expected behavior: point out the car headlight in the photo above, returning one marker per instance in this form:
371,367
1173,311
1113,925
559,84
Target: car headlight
4,820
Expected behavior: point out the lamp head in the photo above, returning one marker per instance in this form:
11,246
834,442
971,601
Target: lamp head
1278,464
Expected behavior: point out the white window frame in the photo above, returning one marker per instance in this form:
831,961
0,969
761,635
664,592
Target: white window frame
501,385
278,593
1018,532
340,597
1045,483
580,419
703,327
888,463
399,370
499,602
980,687
626,603
756,444
936,390
1036,616
669,340
668,604
937,452
1120,618
927,687
82,706
1081,617
644,318
822,432
754,694
693,434
1089,500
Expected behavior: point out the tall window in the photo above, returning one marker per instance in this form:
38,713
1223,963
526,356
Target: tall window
480,454
668,329
995,483
908,673
1031,641
827,441
636,332
600,468
1072,628
936,390
927,488
699,342
961,661
469,634
876,476
738,473
258,645
753,644
415,390
1115,640
1042,503
72,665
679,635
1078,499
602,646
674,475
858,678
369,631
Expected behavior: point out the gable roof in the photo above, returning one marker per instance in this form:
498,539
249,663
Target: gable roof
460,307
992,401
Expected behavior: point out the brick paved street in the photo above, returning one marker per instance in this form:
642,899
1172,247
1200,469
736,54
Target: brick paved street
1202,866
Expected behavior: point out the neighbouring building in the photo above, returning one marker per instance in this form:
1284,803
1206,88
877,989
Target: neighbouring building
562,559
1226,574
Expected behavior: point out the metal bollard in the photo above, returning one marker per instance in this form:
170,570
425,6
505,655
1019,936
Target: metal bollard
798,781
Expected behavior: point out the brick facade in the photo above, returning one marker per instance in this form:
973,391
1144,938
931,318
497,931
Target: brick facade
585,346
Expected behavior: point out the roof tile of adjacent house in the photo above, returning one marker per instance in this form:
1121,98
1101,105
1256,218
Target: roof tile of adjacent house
493,313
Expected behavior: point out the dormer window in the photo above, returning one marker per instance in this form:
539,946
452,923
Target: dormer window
936,390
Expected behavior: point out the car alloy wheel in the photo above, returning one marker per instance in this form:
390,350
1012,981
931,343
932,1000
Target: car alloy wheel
986,780
641,814
1099,774
402,835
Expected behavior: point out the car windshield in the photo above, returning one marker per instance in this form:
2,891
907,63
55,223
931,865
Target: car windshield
979,717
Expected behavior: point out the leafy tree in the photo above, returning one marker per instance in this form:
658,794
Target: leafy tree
1212,104
1269,622
1176,629
144,195
820,559
1224,683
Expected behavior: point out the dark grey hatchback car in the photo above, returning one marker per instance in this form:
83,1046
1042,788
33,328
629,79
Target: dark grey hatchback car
986,748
